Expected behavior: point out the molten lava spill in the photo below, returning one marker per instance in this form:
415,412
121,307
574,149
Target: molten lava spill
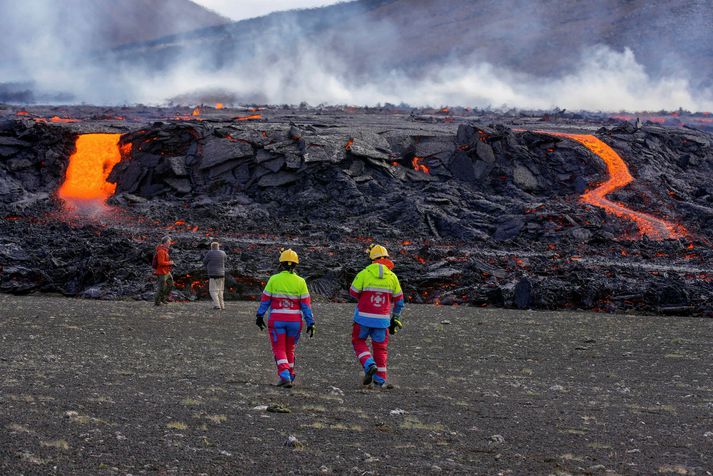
65,120
219,105
419,166
619,176
253,117
89,167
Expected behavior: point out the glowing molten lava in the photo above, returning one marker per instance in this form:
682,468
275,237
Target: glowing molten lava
253,117
196,112
57,119
219,105
419,166
89,167
619,176
348,145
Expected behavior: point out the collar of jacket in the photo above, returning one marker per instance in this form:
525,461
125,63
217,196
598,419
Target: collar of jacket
386,262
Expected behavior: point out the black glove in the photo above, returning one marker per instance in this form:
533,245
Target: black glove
311,330
395,324
260,322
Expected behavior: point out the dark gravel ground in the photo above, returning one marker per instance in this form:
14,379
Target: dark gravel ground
94,387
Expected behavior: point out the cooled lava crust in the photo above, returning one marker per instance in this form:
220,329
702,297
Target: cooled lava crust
517,210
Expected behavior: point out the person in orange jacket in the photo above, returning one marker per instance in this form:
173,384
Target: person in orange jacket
162,265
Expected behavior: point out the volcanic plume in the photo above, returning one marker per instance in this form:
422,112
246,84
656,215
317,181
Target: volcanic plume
365,52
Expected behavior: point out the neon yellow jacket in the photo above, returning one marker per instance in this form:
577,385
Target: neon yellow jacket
377,288
287,297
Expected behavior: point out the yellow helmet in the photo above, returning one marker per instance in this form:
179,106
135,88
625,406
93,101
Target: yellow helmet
288,255
377,251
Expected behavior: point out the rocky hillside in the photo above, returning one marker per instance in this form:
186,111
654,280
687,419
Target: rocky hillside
84,25
544,37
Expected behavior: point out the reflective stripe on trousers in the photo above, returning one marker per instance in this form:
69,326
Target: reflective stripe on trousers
283,339
379,344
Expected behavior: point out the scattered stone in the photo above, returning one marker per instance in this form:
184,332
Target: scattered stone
370,459
278,408
524,179
293,442
498,439
674,469
336,391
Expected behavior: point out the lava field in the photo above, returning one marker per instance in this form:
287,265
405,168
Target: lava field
521,210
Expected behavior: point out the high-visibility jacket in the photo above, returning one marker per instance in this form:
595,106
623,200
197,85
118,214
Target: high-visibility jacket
287,297
376,288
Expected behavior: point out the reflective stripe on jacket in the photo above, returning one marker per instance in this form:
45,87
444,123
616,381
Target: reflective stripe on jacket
377,288
287,297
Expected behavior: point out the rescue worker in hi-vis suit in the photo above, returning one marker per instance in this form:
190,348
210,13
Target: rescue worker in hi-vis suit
376,288
287,297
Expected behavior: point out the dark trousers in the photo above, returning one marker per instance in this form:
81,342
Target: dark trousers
164,284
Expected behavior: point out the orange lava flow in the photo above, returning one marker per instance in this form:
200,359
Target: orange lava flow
252,117
58,119
619,177
219,105
89,167
419,166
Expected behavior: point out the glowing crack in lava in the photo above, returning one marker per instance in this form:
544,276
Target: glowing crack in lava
89,166
619,176
420,166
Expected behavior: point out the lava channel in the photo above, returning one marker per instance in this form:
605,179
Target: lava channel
89,166
619,177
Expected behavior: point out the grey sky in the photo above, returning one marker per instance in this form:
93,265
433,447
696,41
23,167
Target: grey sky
241,9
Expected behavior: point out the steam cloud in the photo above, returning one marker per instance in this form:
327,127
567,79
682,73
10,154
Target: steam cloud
604,79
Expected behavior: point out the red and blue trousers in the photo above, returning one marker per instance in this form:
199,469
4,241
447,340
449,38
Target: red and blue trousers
377,355
284,336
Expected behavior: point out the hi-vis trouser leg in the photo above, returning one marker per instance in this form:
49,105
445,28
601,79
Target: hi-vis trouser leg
290,345
283,338
379,343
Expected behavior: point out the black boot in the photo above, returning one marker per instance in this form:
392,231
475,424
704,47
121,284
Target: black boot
369,374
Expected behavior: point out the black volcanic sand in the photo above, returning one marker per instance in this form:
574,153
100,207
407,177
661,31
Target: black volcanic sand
92,387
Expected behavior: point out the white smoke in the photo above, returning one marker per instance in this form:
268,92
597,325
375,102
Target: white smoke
604,79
